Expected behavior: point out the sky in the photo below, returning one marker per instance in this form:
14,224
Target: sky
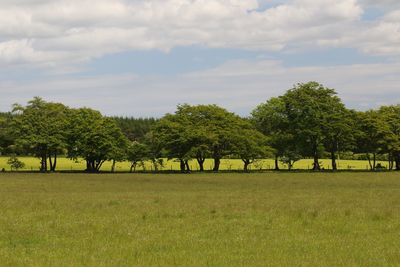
143,57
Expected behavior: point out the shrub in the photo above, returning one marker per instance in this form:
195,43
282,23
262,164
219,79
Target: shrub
15,163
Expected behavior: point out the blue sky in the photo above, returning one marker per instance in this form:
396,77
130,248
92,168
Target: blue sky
142,58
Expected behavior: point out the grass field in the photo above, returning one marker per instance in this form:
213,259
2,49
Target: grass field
273,219
64,164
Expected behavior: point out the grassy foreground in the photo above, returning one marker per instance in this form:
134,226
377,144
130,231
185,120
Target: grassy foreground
273,219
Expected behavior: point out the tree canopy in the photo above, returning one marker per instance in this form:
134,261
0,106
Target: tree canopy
308,121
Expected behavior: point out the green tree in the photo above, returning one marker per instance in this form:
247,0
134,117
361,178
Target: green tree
175,134
40,127
94,138
339,131
249,145
374,135
120,145
391,115
199,131
154,149
309,108
135,129
216,128
194,121
137,154
271,119
7,139
15,163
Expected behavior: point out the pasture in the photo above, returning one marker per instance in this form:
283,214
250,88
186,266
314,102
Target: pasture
259,219
65,164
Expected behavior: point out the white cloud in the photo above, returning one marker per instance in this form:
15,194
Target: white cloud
75,30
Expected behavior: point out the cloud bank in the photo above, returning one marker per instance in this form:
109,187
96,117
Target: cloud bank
53,41
71,31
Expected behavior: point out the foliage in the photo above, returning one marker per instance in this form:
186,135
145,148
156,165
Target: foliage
7,139
271,119
40,128
15,163
308,121
137,154
135,129
202,130
391,116
310,107
94,138
176,134
374,135
154,150
249,145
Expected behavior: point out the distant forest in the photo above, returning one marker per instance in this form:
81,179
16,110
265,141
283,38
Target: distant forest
308,121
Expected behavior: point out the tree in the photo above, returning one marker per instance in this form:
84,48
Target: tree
391,115
197,132
15,163
137,154
120,145
40,128
215,128
271,119
94,138
7,138
155,150
374,135
175,134
309,108
135,129
339,131
249,145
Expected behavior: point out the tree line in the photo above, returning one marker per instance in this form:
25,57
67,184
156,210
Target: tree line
308,121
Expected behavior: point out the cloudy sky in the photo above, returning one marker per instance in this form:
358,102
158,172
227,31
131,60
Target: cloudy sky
143,57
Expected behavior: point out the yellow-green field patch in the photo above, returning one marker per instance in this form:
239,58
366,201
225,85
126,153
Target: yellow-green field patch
65,164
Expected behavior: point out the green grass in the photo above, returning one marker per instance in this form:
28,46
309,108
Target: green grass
273,219
64,164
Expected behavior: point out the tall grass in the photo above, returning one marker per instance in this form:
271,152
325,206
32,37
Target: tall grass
272,219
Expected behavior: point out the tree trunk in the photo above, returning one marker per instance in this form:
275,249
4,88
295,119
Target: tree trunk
391,161
43,163
50,162
276,163
113,166
182,165
91,166
333,157
217,162
99,163
131,169
187,166
155,164
55,162
201,160
397,160
374,161
246,165
316,166
369,161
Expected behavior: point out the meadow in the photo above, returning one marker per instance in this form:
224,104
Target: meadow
258,219
65,164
